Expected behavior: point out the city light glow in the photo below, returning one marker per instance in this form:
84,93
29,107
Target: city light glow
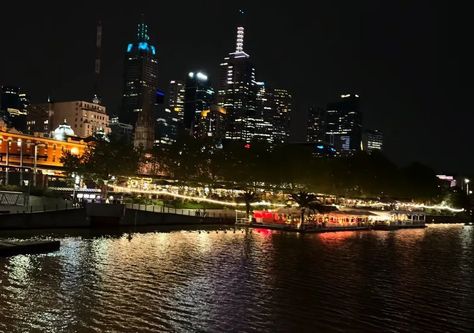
193,198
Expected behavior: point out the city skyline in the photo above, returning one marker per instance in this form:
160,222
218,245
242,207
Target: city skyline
386,104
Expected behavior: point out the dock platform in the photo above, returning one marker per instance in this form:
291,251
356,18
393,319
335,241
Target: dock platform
283,227
11,248
316,230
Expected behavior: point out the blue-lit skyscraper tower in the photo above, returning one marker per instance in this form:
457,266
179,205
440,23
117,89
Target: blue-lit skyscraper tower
140,87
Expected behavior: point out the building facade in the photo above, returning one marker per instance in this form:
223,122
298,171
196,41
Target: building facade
140,77
21,155
176,100
315,126
39,119
172,116
212,124
281,115
140,89
85,118
237,92
343,124
198,98
372,141
120,131
13,107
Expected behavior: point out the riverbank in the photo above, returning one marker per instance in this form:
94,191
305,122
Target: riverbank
106,216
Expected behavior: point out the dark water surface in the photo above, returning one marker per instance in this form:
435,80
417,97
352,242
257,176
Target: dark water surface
260,281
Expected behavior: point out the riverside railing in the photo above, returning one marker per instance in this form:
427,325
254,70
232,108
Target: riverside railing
215,213
38,208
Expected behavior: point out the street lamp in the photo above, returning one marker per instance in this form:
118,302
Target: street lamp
35,161
34,165
76,185
20,145
467,181
7,162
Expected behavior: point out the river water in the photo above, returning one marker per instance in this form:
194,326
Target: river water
243,281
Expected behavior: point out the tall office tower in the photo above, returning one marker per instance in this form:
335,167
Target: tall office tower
343,125
372,141
13,107
212,124
176,100
198,97
281,113
140,87
260,125
171,118
315,128
237,92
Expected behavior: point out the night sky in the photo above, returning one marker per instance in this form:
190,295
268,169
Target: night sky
402,57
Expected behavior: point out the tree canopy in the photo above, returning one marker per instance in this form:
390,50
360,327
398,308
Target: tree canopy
102,160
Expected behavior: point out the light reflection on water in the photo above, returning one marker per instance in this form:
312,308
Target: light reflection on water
260,280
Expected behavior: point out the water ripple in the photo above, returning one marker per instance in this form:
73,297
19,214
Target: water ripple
260,281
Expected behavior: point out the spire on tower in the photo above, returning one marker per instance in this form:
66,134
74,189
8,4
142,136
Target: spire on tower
96,98
142,34
239,46
240,40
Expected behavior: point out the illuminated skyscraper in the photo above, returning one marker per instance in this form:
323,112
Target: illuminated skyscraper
282,106
238,92
372,141
198,98
170,118
315,131
343,124
13,107
176,100
140,87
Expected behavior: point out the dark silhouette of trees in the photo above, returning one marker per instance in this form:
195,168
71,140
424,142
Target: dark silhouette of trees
304,201
248,197
102,160
289,167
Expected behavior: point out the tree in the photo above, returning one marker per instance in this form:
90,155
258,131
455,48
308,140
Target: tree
72,164
304,200
102,160
248,197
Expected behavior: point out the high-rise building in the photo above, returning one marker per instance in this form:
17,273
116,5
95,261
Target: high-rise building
198,97
237,92
140,88
282,105
40,119
372,141
176,99
343,124
85,118
171,118
260,126
13,107
315,129
212,124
